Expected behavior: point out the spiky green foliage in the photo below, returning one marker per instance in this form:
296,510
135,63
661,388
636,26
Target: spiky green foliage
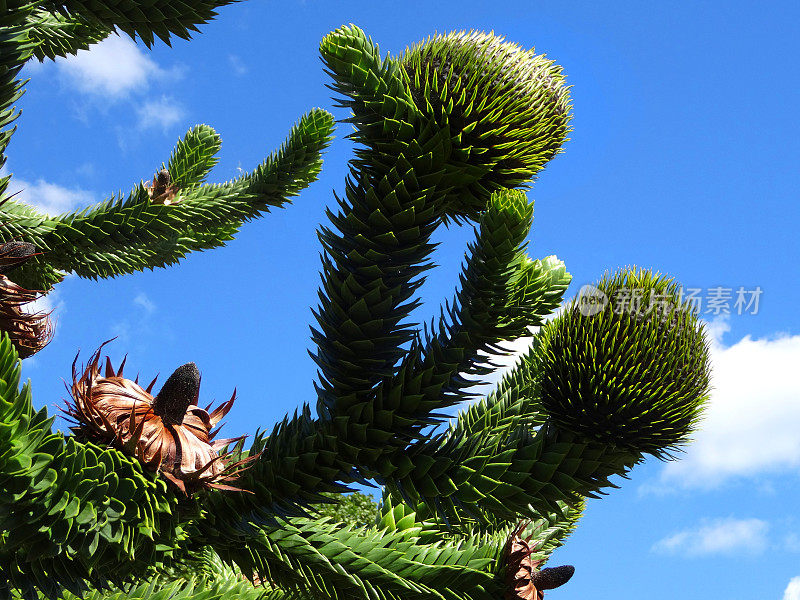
72,514
147,20
54,34
411,163
218,589
450,131
507,109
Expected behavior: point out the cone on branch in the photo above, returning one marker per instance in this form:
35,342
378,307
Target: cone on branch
167,432
524,579
29,332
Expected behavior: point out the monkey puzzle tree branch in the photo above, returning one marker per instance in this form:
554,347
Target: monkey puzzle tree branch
158,18
55,34
319,555
123,236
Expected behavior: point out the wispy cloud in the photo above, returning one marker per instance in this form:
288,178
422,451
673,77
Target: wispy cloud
121,330
750,427
237,65
718,536
143,325
160,114
791,542
144,301
116,72
50,198
112,69
792,591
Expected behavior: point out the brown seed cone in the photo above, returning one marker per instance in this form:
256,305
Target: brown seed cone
111,409
524,581
29,332
13,254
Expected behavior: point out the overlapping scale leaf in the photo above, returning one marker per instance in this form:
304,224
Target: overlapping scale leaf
195,155
504,459
627,363
345,563
218,589
297,464
443,132
507,476
402,175
54,34
546,531
474,113
16,48
502,294
371,270
147,20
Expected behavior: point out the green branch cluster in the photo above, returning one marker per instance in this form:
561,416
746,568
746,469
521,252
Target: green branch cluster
450,131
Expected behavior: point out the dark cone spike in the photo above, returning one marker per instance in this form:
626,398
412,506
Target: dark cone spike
548,579
177,394
13,254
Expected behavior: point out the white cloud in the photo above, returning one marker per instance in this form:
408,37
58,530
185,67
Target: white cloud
51,303
144,301
750,427
113,69
718,536
162,113
49,197
792,591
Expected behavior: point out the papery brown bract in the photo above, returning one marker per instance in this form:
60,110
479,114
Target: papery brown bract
108,408
524,579
29,332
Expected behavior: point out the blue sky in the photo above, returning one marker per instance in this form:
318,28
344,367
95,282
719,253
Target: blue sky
683,158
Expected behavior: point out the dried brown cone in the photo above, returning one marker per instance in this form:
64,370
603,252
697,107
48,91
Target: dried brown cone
161,190
524,579
167,432
29,332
